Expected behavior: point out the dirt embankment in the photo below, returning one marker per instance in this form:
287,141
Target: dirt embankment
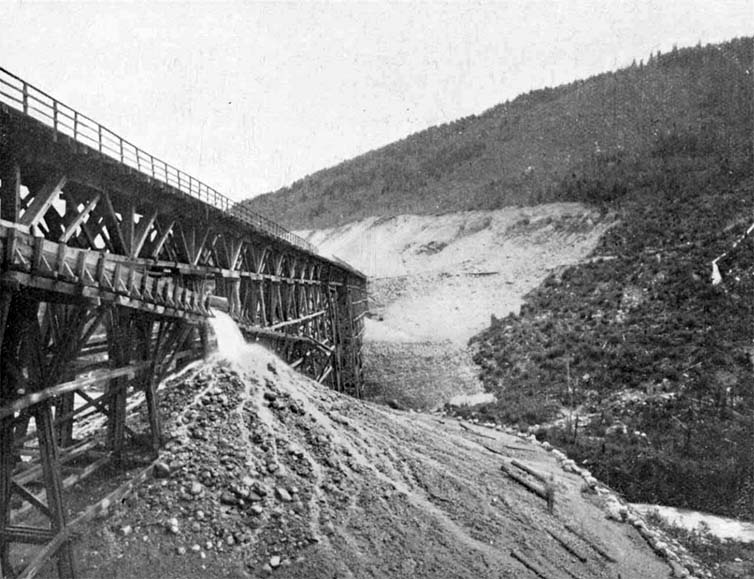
266,473
436,280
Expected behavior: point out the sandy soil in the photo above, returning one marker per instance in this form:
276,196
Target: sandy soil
436,280
270,474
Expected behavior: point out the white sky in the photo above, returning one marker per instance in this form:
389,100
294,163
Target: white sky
252,96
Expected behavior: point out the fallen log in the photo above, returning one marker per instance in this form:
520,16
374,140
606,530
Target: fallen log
530,486
462,425
493,450
529,565
568,547
526,468
591,543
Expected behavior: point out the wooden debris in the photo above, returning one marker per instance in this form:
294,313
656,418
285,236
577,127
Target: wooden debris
462,425
568,547
533,567
493,450
526,468
607,556
530,486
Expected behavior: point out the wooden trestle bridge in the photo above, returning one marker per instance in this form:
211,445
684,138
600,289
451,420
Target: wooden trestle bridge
110,260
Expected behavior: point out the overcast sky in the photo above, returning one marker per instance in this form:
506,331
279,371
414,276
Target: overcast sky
252,96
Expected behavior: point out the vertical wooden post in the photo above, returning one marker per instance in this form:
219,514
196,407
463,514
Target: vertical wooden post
118,353
148,352
48,451
204,338
23,348
7,464
10,185
7,460
63,407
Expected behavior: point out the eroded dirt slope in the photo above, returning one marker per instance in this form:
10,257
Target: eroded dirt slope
267,473
435,281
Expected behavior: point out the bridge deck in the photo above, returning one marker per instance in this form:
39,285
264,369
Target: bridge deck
68,123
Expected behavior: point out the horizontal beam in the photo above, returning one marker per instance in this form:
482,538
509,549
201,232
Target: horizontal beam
52,391
297,320
26,534
65,456
273,335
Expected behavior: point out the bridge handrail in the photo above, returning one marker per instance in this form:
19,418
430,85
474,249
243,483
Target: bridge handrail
37,104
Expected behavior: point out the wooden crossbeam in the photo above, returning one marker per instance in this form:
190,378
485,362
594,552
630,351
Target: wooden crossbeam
199,250
26,534
236,245
161,240
187,243
278,264
145,227
47,393
43,199
54,222
221,253
66,455
30,497
112,224
258,256
298,321
128,227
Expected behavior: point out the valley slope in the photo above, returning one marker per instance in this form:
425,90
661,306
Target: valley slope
435,281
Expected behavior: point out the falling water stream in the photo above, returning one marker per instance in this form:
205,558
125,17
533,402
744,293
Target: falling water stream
230,341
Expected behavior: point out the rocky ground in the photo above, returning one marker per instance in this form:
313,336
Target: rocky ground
265,473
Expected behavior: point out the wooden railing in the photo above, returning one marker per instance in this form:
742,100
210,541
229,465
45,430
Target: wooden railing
37,104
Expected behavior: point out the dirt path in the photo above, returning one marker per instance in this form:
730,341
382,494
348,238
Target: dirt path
272,475
436,280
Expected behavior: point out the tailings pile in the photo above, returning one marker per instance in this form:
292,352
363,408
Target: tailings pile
264,472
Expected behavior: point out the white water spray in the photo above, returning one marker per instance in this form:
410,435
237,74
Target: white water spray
230,341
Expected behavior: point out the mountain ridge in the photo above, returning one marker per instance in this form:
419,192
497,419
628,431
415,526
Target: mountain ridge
520,152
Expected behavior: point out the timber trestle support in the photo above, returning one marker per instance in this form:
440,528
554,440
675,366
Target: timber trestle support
111,262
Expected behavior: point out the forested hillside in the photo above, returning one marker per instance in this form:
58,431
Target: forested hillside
520,152
657,359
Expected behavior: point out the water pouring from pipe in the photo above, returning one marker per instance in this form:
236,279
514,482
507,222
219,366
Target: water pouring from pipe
230,341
